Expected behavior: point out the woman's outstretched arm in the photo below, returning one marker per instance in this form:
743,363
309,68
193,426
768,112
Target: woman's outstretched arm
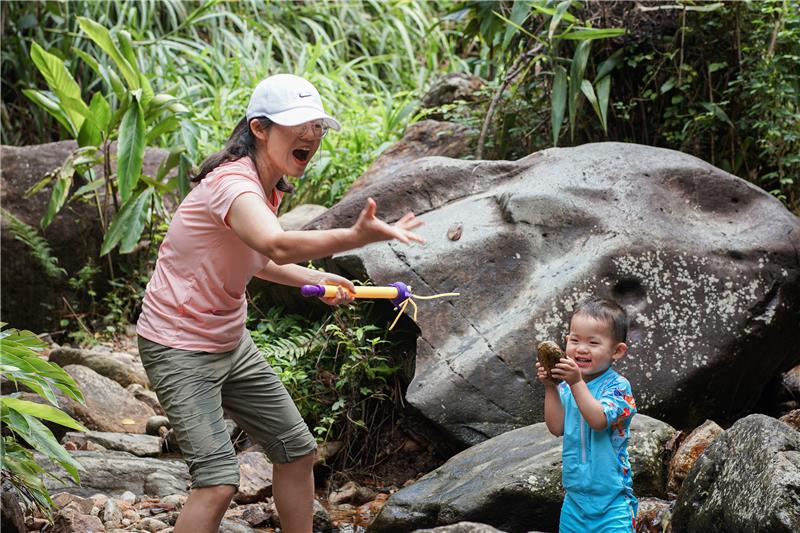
258,227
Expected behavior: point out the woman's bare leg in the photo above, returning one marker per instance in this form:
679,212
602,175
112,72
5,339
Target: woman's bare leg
204,509
293,491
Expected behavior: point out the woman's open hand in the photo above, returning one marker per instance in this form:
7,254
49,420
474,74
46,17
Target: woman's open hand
370,228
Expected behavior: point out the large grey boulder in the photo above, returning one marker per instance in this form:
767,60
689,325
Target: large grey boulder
512,482
706,264
116,472
121,367
747,481
107,406
133,443
29,297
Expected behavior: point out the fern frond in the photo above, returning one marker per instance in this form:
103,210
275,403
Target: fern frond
39,247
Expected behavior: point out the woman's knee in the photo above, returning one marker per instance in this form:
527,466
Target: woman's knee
303,462
217,492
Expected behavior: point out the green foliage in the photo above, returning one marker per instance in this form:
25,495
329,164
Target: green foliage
20,364
523,40
724,85
119,116
337,370
717,80
39,248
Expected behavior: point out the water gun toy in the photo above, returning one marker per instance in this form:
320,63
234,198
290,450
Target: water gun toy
398,292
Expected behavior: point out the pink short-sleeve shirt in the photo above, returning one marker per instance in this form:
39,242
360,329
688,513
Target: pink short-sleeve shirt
196,297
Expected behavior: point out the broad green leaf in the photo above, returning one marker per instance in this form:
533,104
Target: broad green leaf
130,150
557,16
577,68
89,187
60,192
52,107
42,439
101,36
520,12
100,110
667,85
603,94
605,68
718,112
184,169
558,101
147,91
45,412
167,125
92,62
588,92
60,81
116,85
589,34
550,11
713,67
89,134
169,162
126,48
128,224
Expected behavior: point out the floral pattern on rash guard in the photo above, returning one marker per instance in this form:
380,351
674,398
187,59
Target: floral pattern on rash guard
619,406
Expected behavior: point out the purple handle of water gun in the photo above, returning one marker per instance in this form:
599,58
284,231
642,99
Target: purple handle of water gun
312,290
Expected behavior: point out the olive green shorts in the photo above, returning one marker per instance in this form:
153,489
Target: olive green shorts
194,387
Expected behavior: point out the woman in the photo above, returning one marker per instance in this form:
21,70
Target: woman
192,336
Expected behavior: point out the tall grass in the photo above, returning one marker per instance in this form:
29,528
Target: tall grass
370,59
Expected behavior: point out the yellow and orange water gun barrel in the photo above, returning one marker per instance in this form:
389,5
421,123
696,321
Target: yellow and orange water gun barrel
397,292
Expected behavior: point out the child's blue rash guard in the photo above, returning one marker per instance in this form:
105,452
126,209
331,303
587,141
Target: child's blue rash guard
597,473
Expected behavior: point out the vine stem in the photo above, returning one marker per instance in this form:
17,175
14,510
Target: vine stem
520,64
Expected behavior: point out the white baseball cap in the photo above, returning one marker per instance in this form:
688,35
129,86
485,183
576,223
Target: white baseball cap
288,100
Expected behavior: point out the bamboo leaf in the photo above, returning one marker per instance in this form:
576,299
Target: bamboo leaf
588,92
558,101
130,150
605,68
42,440
577,68
128,224
45,412
550,11
589,34
603,93
557,16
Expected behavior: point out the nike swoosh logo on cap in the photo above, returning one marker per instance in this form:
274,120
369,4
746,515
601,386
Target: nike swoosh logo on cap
301,95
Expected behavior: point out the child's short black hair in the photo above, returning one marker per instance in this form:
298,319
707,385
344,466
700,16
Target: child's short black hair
607,311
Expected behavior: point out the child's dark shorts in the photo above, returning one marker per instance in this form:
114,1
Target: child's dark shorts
194,387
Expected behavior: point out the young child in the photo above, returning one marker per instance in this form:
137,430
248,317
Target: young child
592,408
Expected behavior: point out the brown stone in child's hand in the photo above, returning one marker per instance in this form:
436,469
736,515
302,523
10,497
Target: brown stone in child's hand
549,354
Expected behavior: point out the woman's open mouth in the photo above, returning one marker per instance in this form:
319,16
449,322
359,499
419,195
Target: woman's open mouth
301,154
